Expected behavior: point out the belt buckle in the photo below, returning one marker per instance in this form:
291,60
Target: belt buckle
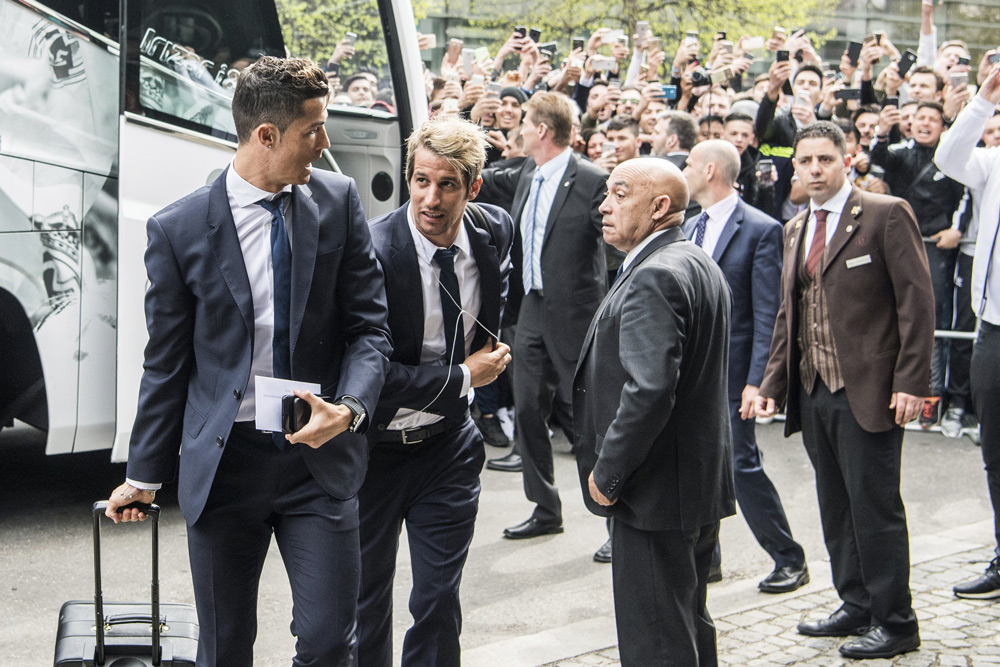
407,441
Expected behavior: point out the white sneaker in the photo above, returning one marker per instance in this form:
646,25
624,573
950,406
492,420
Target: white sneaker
951,423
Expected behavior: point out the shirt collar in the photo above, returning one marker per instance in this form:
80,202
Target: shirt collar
556,165
426,249
834,204
722,209
634,252
245,193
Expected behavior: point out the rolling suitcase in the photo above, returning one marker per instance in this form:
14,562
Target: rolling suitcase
122,634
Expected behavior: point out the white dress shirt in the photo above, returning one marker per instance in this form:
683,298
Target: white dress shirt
631,254
834,206
253,227
718,215
552,171
434,348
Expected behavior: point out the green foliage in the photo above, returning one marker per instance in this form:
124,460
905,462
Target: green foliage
562,19
312,29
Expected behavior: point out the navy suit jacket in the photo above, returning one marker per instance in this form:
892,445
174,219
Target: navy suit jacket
200,317
409,384
749,254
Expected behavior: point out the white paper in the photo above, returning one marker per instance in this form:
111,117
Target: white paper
268,393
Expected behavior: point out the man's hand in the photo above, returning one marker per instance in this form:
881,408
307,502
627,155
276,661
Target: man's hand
343,51
606,162
888,118
861,162
764,407
684,54
487,363
326,422
804,114
484,106
947,238
955,98
596,40
779,72
907,407
990,90
870,54
471,93
596,494
126,494
747,400
497,140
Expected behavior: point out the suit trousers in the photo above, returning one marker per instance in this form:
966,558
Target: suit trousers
864,522
543,389
258,491
959,391
433,485
942,266
986,398
758,499
660,580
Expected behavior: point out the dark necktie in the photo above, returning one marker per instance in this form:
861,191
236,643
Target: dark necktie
818,244
281,267
451,300
699,229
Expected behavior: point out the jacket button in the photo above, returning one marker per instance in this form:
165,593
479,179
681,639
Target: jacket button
219,441
236,394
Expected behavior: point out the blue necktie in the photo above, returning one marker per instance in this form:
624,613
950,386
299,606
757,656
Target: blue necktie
699,229
281,266
451,306
528,233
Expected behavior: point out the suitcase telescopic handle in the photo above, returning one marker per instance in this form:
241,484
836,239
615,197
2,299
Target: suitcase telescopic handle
153,512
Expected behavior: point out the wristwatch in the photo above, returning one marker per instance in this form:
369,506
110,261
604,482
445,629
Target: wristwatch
357,409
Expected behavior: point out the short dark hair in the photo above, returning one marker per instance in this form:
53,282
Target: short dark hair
739,116
848,127
924,69
681,124
622,122
274,90
937,106
866,108
711,118
810,68
822,129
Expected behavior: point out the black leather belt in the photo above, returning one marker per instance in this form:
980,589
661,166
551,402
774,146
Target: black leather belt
412,436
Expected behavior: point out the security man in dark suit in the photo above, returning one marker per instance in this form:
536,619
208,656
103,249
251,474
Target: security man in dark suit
446,264
555,197
650,401
746,244
269,271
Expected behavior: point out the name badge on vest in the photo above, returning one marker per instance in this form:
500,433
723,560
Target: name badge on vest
855,262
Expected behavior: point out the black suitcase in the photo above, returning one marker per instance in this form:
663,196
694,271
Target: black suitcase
122,634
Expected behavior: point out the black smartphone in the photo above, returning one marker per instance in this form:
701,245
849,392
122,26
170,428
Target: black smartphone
720,35
848,94
891,101
578,43
906,61
781,56
854,52
295,413
521,30
535,34
962,60
994,59
551,47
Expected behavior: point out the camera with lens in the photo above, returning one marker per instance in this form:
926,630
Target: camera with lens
701,77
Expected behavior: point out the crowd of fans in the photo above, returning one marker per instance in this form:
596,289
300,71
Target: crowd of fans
634,99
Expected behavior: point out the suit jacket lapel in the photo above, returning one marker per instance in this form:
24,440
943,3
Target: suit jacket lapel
305,239
731,227
225,245
846,227
522,191
562,191
407,277
488,264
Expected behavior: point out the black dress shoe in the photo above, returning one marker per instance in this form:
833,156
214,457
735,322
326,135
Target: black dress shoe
785,579
509,463
838,624
532,528
879,643
603,555
715,574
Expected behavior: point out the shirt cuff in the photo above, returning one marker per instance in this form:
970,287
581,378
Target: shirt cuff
466,379
587,81
144,486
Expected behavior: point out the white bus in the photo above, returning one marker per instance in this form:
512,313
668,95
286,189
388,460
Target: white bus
92,142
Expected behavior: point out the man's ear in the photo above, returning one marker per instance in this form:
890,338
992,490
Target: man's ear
266,134
474,188
661,208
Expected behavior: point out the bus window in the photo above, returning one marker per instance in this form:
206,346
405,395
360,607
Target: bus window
184,58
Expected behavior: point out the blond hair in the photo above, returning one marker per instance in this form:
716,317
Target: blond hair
460,143
556,112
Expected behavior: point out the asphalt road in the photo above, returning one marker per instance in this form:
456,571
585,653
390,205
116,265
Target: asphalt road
540,596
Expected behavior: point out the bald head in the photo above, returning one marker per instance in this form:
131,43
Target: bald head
712,169
645,195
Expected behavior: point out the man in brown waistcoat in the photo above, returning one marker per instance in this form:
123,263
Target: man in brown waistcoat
851,356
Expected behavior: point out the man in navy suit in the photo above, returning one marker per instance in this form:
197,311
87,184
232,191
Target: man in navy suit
446,270
746,244
269,271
